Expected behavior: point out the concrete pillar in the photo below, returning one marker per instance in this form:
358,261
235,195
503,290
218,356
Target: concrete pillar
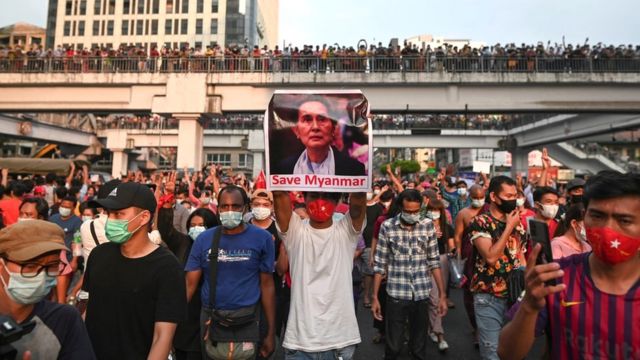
258,163
519,161
119,165
190,141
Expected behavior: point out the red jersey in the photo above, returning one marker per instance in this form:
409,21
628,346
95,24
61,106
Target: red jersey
586,323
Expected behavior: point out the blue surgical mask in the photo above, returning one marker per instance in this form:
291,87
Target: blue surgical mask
410,218
27,291
231,219
194,231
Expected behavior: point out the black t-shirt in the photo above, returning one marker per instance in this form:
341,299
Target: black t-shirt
128,296
447,233
59,334
373,212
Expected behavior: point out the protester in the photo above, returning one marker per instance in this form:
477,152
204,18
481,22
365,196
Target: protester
30,256
407,297
592,310
497,242
322,320
546,207
374,210
10,202
574,236
244,282
136,288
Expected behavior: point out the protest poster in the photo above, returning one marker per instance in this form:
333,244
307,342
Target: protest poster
318,141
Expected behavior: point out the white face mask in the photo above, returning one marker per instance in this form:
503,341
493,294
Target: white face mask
28,290
64,212
433,215
519,202
261,213
24,219
369,196
549,211
205,201
477,203
86,218
387,204
376,191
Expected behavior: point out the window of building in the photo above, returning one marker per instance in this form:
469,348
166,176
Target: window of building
110,28
146,27
198,26
68,7
184,26
126,6
214,6
103,26
81,28
222,159
96,28
154,27
245,161
140,27
125,27
112,7
176,26
156,6
83,7
169,8
185,6
200,6
214,26
167,26
67,28
96,7
140,6
199,44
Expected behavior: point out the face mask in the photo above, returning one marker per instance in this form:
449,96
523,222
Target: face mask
320,210
205,201
194,231
261,213
231,219
576,199
410,218
64,212
462,191
28,290
376,192
86,218
507,206
549,211
117,231
612,247
433,215
477,203
583,233
520,202
24,219
369,196
387,204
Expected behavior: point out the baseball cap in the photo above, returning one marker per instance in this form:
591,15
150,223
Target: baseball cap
262,193
129,194
103,192
575,183
27,240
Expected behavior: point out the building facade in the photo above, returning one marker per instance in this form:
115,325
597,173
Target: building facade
170,23
23,35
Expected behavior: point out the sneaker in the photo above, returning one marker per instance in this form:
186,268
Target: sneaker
443,346
433,337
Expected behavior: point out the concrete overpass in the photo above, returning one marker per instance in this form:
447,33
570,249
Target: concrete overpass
198,93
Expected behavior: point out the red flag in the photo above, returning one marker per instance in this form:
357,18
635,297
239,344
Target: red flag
261,182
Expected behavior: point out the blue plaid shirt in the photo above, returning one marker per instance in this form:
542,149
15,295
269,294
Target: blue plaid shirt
407,255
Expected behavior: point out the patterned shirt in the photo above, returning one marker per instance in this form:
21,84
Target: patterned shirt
407,254
493,279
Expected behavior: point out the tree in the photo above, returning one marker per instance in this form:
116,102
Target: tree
406,167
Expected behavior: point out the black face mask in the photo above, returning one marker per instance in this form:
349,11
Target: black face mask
506,206
576,199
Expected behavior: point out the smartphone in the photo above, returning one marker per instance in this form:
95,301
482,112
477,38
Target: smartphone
539,232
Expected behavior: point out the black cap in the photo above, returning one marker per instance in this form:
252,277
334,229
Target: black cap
103,192
129,194
575,183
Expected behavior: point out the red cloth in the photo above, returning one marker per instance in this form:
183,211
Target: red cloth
260,182
10,208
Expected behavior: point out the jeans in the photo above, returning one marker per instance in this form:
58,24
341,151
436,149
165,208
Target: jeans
397,313
490,311
345,353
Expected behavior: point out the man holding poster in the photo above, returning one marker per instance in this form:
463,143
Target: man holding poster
318,141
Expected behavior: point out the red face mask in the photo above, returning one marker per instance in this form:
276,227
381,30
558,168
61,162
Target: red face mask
612,247
320,210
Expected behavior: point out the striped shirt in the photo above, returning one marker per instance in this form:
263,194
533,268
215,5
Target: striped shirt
407,255
587,323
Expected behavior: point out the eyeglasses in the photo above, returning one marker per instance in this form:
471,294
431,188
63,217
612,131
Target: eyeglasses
31,270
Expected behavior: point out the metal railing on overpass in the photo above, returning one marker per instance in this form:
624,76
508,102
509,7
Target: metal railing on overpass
282,64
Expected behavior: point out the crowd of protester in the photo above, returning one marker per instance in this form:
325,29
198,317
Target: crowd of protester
290,267
333,58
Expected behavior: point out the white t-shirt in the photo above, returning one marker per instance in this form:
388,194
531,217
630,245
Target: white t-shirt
322,314
88,243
